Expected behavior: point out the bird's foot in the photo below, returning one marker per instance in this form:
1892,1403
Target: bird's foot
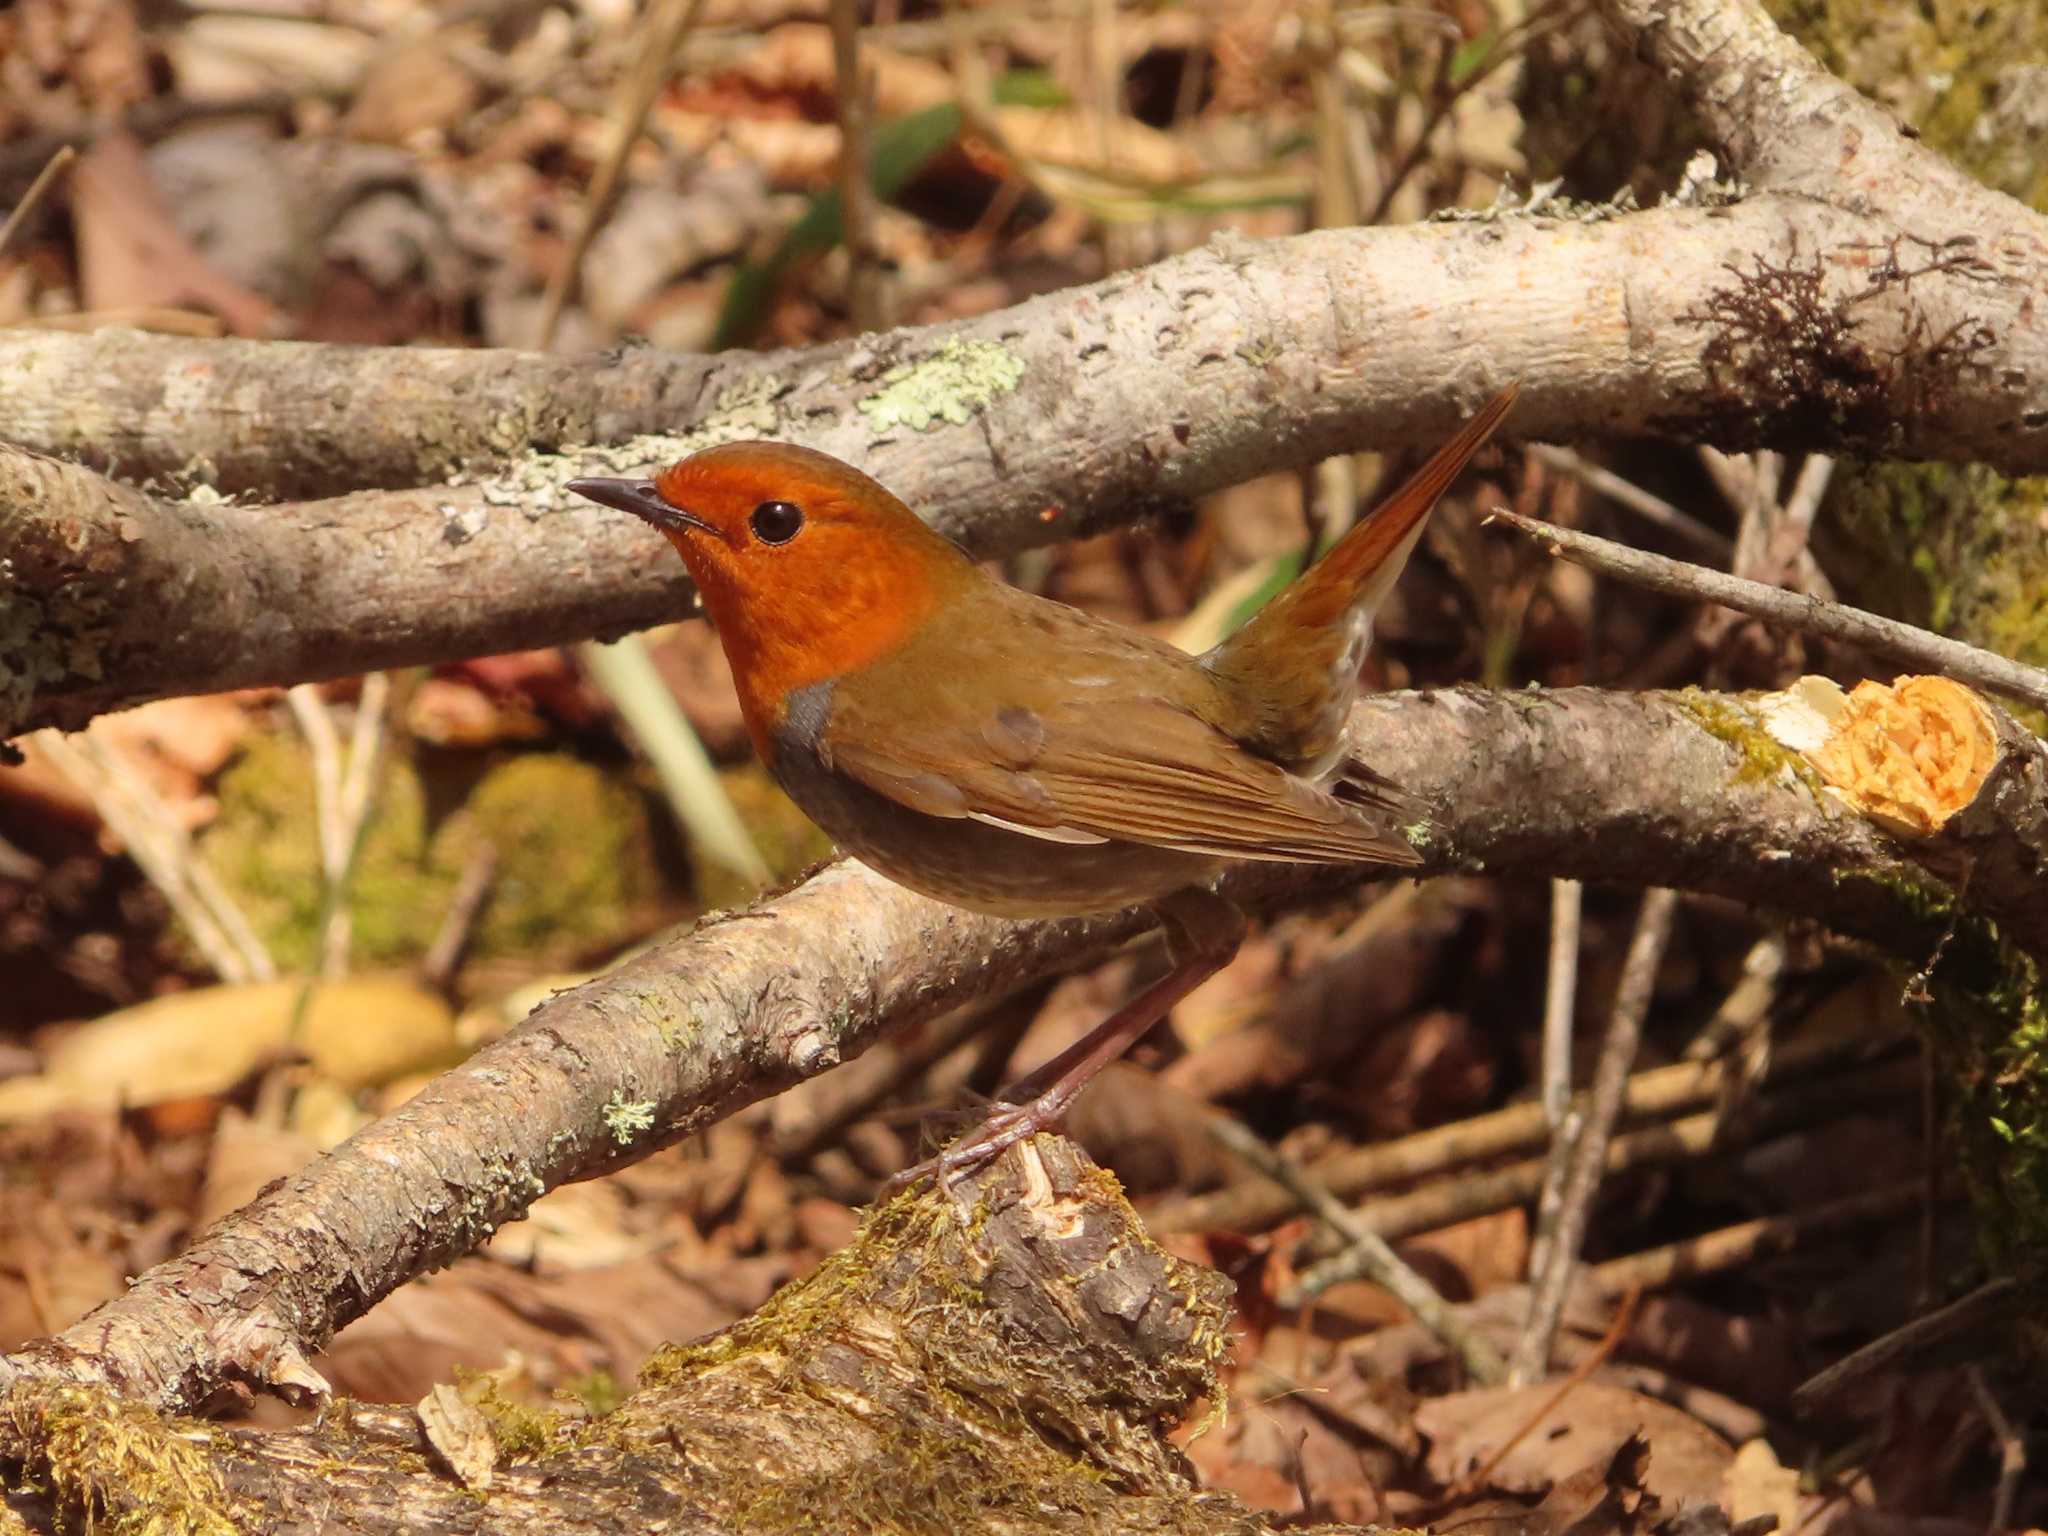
1001,1128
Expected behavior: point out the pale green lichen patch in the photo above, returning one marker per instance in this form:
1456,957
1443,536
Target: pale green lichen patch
627,1119
118,1464
959,380
534,482
1759,758
45,643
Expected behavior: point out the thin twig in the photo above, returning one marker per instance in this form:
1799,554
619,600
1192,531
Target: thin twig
1626,493
1726,1248
1372,1254
1589,1154
154,852
437,966
1906,644
1255,1204
1448,1201
1560,999
45,179
665,26
1740,1029
856,197
1990,1306
2012,1450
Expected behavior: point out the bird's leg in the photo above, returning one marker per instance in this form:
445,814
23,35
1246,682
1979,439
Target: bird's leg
1203,932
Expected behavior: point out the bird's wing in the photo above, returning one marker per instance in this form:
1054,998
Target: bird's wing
1092,769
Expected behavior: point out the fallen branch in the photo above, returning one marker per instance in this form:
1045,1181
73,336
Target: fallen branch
1006,1360
1638,788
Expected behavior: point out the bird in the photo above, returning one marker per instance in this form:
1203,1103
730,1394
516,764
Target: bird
1011,755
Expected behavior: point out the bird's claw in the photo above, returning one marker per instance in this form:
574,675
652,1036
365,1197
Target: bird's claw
1004,1126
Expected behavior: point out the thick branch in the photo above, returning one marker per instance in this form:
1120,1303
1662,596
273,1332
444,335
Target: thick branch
1775,319
1006,1359
1784,121
1647,789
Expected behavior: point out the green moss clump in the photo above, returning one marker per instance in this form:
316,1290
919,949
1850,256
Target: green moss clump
1985,1014
521,1429
965,1425
265,847
574,862
573,847
124,1469
789,841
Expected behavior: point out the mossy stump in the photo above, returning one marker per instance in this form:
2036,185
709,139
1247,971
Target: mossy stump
1001,1358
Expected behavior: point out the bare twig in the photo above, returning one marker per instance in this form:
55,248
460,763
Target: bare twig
663,28
1560,995
46,178
1371,1254
856,197
158,844
1984,1311
1741,1029
1257,1204
2012,1450
1728,1248
1626,493
1589,1153
1903,643
1448,1201
437,966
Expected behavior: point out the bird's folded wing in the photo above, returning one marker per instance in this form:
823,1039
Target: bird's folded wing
1143,771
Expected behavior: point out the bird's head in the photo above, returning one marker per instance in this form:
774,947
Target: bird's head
809,569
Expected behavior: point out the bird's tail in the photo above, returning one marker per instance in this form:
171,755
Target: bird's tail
1299,654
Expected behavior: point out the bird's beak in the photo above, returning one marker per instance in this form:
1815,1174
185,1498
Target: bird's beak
640,498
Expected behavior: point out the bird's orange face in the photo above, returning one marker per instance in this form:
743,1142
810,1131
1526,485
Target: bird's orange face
809,569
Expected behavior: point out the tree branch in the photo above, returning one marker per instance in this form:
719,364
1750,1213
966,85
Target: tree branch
1641,788
1776,320
1007,1358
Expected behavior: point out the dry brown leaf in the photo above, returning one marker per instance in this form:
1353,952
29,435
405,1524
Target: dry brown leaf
245,1156
417,85
448,712
1912,754
358,1032
796,60
130,254
1758,1484
457,1429
1075,138
1688,1462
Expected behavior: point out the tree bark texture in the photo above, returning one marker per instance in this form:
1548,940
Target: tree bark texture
1682,790
1861,295
1006,1358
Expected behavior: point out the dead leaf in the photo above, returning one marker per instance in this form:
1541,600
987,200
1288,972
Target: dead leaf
1688,1462
358,1032
416,85
457,1429
131,255
246,1156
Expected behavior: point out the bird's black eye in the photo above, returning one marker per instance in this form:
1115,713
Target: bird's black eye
776,522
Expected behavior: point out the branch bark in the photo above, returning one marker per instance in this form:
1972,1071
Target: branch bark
1007,1359
1649,788
1776,320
